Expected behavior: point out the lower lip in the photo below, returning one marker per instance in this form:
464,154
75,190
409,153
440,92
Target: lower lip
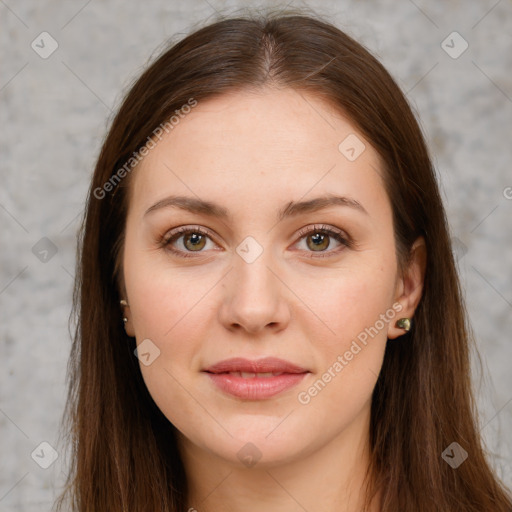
255,388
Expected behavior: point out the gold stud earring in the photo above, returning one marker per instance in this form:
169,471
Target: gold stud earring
404,323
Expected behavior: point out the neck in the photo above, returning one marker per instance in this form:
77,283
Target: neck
329,479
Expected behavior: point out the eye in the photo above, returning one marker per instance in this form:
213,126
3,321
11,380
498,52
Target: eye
318,239
194,240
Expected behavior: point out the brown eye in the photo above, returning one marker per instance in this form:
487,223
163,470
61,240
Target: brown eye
194,241
319,241
186,240
319,238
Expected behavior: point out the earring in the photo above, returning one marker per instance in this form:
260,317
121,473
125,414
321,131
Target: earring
124,304
404,323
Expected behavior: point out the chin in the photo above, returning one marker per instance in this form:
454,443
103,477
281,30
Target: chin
258,446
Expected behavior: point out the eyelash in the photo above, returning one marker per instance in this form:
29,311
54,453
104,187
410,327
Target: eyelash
316,229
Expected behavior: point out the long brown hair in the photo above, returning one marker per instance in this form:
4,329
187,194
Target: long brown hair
124,455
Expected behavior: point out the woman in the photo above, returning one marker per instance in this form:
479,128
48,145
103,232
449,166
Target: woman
269,313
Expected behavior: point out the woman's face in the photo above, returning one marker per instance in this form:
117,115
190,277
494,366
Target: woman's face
266,276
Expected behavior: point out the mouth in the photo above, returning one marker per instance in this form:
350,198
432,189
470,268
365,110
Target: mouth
267,365
251,375
255,380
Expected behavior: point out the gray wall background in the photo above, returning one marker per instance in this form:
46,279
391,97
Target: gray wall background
54,113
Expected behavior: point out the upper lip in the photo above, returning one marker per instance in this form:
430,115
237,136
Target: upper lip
265,365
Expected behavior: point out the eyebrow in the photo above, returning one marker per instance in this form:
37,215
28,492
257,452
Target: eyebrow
291,209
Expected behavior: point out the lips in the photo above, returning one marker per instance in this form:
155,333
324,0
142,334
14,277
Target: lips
255,380
261,366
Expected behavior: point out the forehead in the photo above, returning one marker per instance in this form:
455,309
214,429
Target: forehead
257,146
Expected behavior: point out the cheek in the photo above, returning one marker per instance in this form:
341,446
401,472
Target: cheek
168,313
357,308
354,300
168,309
161,297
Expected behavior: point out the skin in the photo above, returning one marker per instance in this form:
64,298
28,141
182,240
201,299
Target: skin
252,153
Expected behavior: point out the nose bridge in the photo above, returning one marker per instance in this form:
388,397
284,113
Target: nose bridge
254,292
253,279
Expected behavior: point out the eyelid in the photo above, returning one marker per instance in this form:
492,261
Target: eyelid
176,233
324,228
181,230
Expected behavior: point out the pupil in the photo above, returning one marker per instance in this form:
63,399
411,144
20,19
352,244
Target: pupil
317,237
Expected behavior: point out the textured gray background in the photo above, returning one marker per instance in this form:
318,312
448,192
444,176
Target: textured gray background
54,113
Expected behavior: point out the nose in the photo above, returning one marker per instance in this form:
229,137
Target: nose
253,297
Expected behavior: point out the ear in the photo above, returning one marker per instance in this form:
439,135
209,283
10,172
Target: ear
409,287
